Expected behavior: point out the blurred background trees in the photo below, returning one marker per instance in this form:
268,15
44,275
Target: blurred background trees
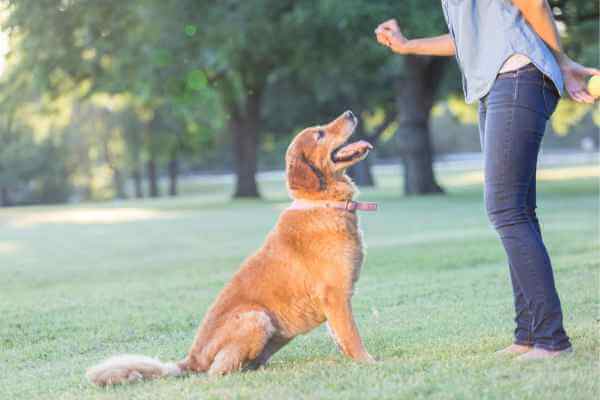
113,99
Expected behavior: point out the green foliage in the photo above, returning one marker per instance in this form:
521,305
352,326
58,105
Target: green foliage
32,171
580,33
166,51
51,182
18,159
139,53
569,113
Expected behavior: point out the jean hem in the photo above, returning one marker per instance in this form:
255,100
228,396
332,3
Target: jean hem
523,342
550,347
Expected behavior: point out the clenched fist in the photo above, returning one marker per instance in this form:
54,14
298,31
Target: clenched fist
388,34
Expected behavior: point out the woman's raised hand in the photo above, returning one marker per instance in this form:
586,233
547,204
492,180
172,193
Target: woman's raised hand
388,34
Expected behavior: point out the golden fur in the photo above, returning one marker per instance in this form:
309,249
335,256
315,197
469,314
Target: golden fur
302,276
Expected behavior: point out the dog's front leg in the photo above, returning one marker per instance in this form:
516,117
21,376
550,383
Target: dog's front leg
338,311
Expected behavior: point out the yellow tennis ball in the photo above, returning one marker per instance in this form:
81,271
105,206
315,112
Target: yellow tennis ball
594,86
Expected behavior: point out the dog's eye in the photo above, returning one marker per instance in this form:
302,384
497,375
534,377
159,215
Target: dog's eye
320,134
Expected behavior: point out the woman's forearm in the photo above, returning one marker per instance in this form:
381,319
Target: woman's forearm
389,34
432,46
539,15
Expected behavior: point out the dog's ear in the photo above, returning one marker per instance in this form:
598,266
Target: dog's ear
302,174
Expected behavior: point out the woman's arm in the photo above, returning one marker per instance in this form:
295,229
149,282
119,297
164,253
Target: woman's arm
389,34
539,15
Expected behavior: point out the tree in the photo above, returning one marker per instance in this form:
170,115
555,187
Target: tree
245,44
416,93
118,48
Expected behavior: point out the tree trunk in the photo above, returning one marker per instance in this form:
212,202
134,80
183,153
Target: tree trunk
88,188
419,177
415,97
361,173
119,183
137,183
152,178
4,198
245,133
173,172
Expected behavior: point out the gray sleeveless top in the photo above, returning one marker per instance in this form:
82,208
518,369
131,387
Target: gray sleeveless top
486,33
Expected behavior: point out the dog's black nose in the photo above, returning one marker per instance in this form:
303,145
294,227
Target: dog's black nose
350,115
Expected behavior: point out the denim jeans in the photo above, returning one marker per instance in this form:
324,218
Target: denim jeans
512,120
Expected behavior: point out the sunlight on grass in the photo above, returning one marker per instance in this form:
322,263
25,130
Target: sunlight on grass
561,174
88,216
549,174
8,247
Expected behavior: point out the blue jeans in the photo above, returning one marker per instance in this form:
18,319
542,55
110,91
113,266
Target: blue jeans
512,120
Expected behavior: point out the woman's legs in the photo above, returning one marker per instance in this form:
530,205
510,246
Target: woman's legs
514,117
522,331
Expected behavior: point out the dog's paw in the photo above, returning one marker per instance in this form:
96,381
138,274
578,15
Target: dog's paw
367,359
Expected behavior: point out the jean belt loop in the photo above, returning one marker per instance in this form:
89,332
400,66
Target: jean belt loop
544,81
515,94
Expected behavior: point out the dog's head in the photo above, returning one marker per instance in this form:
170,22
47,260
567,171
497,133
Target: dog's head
318,157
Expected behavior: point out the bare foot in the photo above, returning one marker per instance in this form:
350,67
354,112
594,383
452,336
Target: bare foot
515,349
540,354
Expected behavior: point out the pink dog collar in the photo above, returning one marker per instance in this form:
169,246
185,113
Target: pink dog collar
349,205
360,206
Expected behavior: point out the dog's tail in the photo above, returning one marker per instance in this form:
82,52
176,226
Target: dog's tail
128,368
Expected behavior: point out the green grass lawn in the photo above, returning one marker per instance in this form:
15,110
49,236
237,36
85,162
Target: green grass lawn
80,283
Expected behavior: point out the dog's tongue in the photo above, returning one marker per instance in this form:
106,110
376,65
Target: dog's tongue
352,150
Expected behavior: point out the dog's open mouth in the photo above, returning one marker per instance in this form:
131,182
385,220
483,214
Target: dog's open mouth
350,152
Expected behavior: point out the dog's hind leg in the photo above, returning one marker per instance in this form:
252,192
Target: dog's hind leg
228,359
273,346
245,335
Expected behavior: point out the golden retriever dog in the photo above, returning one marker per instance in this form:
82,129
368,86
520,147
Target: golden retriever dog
303,275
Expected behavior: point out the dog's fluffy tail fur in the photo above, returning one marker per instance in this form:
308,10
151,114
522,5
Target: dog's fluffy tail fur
130,368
